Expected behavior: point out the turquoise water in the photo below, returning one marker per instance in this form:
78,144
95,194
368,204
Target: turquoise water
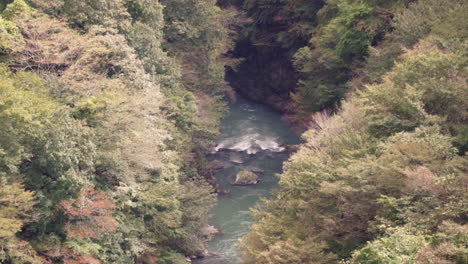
252,138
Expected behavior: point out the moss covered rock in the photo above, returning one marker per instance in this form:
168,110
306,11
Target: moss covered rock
246,177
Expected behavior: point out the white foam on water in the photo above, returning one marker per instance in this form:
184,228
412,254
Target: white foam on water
251,144
244,143
270,144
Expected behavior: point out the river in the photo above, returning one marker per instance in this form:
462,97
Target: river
252,138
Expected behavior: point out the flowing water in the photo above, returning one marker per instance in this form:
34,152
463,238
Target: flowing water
253,137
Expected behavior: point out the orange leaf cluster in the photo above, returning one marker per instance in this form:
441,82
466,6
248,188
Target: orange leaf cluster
89,215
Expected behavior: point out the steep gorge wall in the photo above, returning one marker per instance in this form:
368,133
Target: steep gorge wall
266,75
266,46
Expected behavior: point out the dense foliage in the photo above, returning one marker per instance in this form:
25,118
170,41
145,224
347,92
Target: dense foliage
385,179
105,110
301,55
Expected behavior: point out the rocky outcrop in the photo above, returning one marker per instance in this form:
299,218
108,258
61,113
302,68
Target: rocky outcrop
216,165
291,148
246,177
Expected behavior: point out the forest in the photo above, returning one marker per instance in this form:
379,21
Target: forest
108,109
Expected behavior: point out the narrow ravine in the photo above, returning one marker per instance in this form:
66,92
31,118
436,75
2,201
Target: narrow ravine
253,137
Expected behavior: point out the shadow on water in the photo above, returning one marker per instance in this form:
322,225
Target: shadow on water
252,138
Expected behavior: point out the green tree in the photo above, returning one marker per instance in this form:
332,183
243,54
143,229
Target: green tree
10,37
401,246
15,209
110,14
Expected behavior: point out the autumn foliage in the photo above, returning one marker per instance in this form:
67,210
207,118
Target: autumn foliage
71,258
89,215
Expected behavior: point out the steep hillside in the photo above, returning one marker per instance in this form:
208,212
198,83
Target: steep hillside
384,180
106,108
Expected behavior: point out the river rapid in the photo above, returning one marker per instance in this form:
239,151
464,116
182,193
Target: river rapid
253,137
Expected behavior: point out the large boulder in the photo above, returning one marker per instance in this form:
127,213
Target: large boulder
217,165
209,231
255,170
245,177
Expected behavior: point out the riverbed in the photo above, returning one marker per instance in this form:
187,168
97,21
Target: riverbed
253,137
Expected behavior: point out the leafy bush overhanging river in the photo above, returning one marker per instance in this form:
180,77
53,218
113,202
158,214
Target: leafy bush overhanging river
253,138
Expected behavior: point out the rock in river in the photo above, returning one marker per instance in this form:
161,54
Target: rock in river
217,165
246,177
